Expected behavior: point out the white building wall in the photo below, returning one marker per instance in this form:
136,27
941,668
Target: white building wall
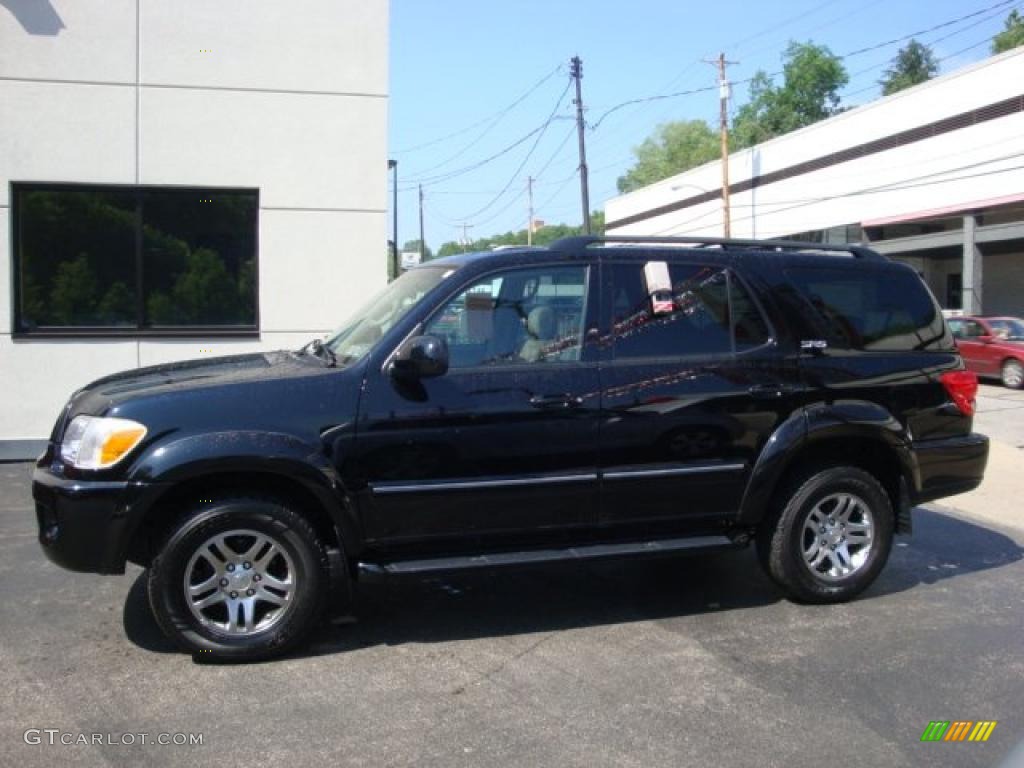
287,98
972,164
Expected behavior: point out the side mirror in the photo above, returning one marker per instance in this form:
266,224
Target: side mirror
421,357
986,339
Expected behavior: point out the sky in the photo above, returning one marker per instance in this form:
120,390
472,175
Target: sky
468,80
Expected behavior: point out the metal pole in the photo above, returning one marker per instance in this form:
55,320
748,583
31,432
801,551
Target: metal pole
393,165
529,220
577,74
422,243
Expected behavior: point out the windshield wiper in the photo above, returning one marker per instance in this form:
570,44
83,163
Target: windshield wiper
318,349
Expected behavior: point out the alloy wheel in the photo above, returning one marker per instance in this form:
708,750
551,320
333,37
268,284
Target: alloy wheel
240,582
837,537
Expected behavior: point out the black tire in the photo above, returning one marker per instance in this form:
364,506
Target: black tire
1012,374
301,551
781,537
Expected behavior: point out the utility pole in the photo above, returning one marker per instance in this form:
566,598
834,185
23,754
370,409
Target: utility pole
422,244
577,74
529,220
723,98
395,258
465,235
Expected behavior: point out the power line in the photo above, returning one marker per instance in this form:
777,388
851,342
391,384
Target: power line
953,55
856,193
500,113
558,150
482,135
429,181
564,183
782,24
858,52
1001,4
526,159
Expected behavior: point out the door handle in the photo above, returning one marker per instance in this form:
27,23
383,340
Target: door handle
556,402
771,391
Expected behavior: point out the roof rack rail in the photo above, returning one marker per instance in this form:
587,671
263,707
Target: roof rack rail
585,241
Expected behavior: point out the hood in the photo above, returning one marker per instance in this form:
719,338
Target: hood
169,378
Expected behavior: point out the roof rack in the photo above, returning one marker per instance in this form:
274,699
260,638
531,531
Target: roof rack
585,241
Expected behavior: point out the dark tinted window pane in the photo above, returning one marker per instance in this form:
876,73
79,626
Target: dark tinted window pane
692,319
76,258
516,317
871,309
749,326
199,249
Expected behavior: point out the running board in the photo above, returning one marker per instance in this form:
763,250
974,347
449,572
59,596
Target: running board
372,571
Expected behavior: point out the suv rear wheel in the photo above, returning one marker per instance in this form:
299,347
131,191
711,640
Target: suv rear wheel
830,537
243,579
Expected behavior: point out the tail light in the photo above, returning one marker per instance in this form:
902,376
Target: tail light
962,388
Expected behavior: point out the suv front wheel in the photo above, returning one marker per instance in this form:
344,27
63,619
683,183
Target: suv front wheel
830,535
239,579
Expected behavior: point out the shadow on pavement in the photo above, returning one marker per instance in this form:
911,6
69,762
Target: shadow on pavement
515,601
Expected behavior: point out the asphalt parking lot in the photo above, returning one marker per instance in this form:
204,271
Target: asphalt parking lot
667,662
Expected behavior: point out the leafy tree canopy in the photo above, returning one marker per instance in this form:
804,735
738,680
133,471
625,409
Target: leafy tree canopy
674,148
812,79
1013,34
914,64
543,236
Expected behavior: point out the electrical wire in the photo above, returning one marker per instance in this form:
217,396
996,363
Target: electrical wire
499,114
918,181
526,159
860,51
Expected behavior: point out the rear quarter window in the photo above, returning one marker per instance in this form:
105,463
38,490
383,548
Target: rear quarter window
887,310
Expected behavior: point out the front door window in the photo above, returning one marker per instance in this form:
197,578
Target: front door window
518,317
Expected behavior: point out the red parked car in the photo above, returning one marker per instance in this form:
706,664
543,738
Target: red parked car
992,346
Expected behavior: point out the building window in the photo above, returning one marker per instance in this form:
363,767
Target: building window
109,260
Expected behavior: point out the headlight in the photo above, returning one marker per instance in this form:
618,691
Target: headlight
94,442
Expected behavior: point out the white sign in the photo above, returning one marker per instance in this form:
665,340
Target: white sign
410,259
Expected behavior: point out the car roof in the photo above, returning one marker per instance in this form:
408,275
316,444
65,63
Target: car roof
724,252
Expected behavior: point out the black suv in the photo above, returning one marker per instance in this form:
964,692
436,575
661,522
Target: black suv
602,397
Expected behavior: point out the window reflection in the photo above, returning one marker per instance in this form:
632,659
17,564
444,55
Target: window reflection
116,258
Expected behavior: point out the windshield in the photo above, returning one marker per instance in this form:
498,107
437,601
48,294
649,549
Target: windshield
1008,328
366,327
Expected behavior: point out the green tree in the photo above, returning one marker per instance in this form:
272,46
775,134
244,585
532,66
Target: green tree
73,296
1013,34
812,79
117,307
203,293
914,64
674,148
543,236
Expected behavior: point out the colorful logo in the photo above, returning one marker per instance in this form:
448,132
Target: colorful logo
959,730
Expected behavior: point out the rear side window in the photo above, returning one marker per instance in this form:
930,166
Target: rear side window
675,310
966,329
871,309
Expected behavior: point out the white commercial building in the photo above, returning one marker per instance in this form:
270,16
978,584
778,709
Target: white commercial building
181,179
933,175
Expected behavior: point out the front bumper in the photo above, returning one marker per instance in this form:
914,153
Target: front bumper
949,466
85,525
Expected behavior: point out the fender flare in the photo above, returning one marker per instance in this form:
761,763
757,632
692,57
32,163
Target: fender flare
177,459
818,423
